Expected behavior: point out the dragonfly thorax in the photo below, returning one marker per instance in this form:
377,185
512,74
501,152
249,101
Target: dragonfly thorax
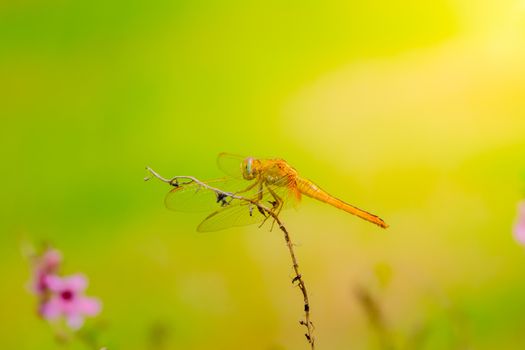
278,172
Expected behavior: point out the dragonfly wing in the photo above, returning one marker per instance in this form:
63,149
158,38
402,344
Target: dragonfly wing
238,214
193,197
230,164
242,213
268,195
283,190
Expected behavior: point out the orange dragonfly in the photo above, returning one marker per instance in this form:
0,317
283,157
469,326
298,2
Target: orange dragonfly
271,181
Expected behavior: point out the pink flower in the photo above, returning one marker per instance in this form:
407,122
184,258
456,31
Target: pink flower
67,300
60,297
519,227
48,263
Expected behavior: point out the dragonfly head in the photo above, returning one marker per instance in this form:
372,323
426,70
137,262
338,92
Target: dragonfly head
249,168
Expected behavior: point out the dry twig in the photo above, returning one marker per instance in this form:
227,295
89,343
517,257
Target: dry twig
306,322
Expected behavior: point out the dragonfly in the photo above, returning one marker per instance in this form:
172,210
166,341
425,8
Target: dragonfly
248,180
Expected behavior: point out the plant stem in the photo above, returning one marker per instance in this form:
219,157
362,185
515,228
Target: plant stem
298,277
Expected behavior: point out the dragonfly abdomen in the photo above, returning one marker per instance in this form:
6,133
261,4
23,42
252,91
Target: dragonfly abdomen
308,188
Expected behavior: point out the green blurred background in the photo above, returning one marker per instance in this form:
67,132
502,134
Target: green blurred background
414,110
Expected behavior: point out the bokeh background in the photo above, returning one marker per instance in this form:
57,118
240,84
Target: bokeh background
414,110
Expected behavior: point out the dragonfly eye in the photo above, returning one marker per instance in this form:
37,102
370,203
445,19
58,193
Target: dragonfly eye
248,169
249,166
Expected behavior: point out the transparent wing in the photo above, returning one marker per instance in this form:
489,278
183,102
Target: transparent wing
241,213
230,164
192,197
238,214
281,192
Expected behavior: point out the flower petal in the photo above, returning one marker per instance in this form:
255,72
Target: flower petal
76,283
54,283
51,309
519,227
89,306
50,260
519,232
75,321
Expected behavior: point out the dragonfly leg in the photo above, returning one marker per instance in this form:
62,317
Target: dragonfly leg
260,194
221,198
277,204
259,199
266,217
247,188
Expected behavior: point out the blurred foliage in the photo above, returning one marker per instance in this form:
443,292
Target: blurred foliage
413,110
